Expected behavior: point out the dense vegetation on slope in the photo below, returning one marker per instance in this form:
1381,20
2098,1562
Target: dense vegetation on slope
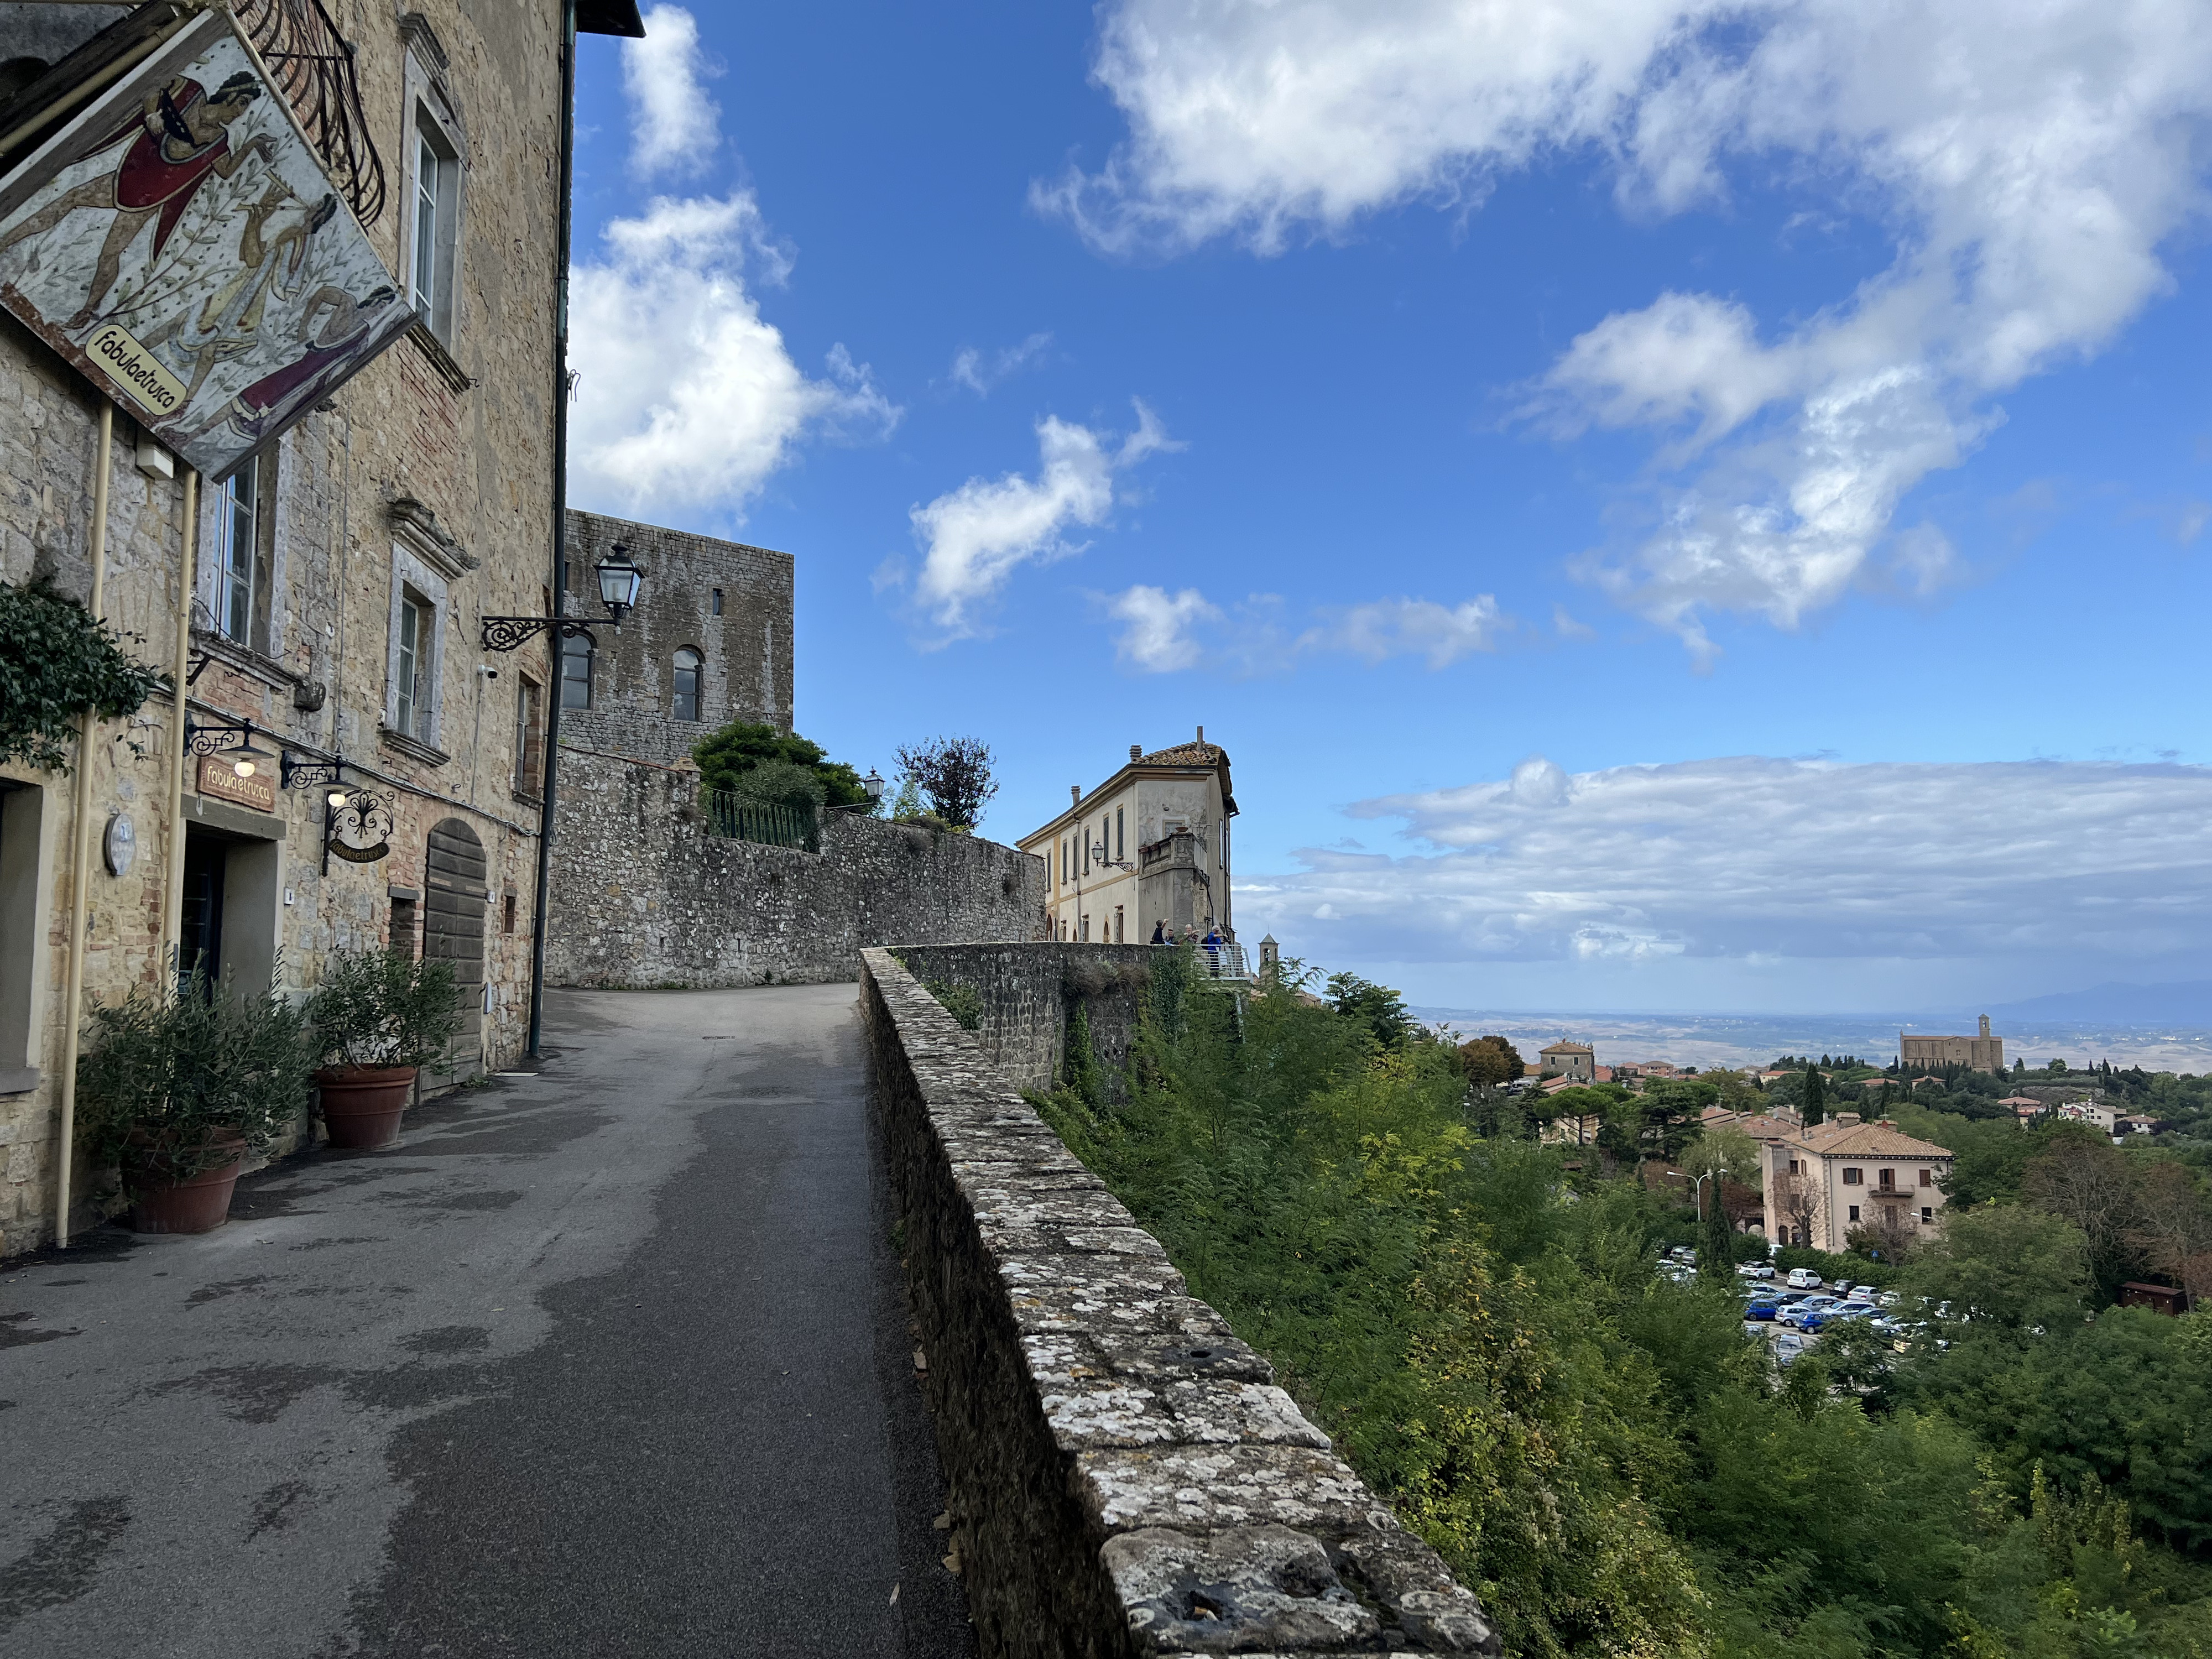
1603,1454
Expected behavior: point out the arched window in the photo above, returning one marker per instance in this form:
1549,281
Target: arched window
687,684
576,671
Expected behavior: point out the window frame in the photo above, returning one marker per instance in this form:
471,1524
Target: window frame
412,664
589,656
1854,1176
432,126
677,669
410,575
529,739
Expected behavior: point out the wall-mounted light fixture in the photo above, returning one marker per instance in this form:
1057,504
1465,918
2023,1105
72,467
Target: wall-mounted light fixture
619,581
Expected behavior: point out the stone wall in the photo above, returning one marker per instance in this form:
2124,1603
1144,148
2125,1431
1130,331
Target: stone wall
1124,1477
744,647
642,895
1028,993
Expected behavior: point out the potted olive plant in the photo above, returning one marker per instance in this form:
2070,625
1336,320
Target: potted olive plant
175,1090
376,1020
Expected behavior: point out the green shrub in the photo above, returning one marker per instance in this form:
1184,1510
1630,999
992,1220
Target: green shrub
165,1082
383,1008
963,1002
57,660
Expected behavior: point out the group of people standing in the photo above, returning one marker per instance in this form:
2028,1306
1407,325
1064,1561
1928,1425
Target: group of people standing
1211,944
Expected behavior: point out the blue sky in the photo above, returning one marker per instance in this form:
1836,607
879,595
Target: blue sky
1669,505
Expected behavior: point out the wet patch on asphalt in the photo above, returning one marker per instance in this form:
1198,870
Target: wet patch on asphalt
62,1565
223,1287
448,1338
253,1394
13,1335
277,1508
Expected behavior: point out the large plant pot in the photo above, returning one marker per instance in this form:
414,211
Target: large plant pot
362,1105
197,1204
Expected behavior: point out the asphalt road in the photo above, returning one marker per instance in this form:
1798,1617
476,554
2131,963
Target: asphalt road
609,1361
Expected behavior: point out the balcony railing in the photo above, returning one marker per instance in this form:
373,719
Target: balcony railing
312,65
737,819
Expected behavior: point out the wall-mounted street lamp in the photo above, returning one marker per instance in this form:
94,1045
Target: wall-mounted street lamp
233,739
873,783
619,581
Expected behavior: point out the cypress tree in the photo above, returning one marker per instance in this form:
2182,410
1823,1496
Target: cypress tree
1816,1102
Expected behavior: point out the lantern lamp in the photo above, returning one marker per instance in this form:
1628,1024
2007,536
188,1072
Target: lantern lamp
618,582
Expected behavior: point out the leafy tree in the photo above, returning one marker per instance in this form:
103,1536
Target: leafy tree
2086,1181
1377,1008
2006,1269
1490,1061
954,774
782,783
726,756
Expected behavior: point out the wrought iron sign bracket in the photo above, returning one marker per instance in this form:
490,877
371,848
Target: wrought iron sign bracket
307,774
510,633
207,737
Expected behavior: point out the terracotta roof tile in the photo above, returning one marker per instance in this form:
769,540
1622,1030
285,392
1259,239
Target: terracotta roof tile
1187,754
1867,1140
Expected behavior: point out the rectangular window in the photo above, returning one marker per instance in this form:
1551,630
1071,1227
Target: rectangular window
238,559
507,914
1083,835
718,601
1928,1177
1793,1167
434,227
529,739
417,642
686,677
1120,837
1888,1181
1854,1213
403,926
1083,929
1927,1213
1119,939
1854,1177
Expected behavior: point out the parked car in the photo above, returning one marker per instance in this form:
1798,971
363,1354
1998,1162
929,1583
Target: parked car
1755,1270
1887,1299
1787,1347
1763,1310
1861,1296
1804,1278
1809,1315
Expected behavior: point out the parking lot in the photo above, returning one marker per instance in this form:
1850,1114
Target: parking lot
1790,1309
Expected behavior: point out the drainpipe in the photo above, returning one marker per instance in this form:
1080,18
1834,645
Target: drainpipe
173,902
81,853
559,529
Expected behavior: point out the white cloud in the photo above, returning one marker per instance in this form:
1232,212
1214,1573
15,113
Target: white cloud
975,538
980,371
2028,163
1161,634
2087,867
674,125
1156,635
686,395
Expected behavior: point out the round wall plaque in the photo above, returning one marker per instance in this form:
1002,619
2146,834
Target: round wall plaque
119,845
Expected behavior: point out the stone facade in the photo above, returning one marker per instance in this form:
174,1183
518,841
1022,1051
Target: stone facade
427,479
643,896
1983,1053
1123,1475
728,603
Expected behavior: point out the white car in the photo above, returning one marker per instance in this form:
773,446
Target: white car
1754,1270
1803,1279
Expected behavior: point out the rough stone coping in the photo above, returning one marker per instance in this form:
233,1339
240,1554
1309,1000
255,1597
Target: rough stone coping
1223,1519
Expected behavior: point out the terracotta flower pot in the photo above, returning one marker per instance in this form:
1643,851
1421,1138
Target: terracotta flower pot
362,1105
197,1204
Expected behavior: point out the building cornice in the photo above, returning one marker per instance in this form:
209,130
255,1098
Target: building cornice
1129,773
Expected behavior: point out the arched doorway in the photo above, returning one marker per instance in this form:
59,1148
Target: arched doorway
454,894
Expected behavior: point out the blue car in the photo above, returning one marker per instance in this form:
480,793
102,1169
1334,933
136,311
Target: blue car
1764,1308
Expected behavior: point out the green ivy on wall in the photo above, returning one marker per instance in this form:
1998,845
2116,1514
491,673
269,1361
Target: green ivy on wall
55,662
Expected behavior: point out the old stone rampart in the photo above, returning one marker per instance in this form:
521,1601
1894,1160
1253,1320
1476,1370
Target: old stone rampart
1124,1477
1028,993
643,896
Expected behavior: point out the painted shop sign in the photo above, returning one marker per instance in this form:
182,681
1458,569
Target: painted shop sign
219,778
179,243
359,829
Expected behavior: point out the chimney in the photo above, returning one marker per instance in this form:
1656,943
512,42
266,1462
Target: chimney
1201,734
1075,795
1136,751
1986,1024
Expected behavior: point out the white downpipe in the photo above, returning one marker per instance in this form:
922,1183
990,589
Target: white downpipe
172,903
81,853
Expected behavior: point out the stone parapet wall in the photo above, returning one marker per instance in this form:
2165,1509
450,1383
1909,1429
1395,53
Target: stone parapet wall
642,895
1124,1477
1028,993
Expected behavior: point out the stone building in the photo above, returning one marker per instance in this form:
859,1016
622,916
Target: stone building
1577,1062
1983,1053
1151,845
1847,1176
295,437
709,642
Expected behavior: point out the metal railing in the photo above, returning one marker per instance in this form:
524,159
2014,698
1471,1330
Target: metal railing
312,65
735,818
1223,961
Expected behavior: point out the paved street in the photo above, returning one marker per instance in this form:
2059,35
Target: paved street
608,1361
